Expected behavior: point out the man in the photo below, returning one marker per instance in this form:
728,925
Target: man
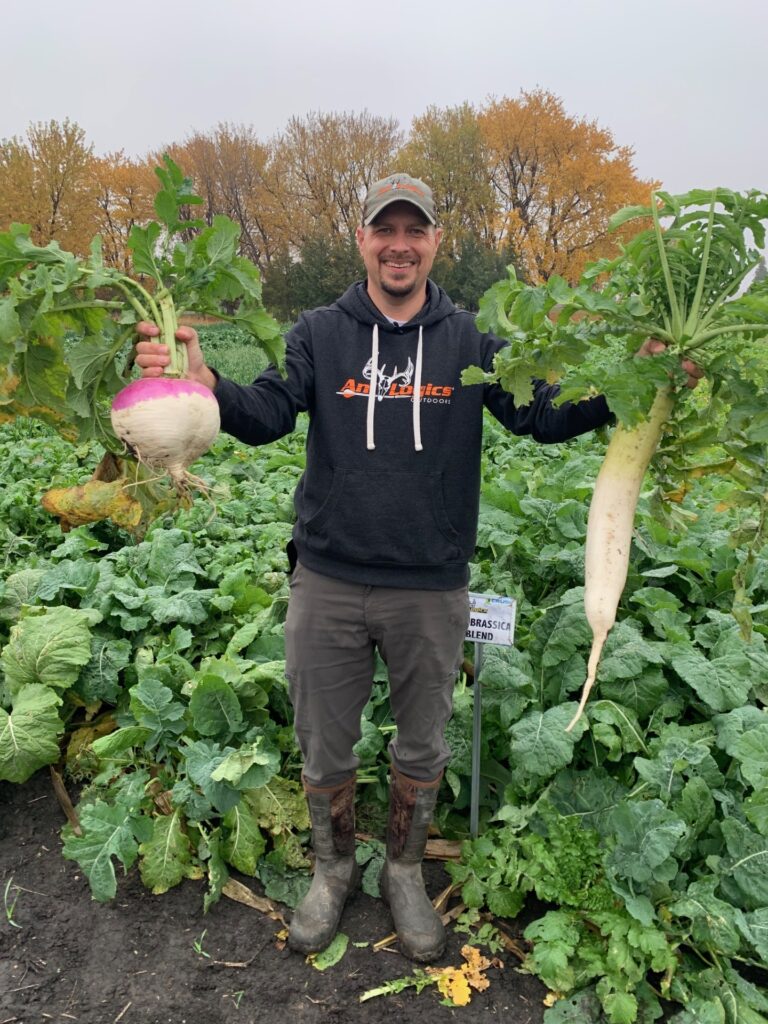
386,523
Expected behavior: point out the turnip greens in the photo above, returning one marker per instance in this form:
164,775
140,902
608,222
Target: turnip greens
67,327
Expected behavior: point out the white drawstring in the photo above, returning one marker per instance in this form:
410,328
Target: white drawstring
417,399
372,389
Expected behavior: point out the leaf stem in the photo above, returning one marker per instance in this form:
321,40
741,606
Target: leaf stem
674,305
702,339
693,315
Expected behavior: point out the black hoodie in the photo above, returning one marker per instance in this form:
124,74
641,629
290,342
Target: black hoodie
391,490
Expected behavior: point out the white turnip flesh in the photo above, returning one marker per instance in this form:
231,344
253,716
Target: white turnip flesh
166,423
610,524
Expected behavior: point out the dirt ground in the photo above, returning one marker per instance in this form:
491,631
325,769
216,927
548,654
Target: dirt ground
134,960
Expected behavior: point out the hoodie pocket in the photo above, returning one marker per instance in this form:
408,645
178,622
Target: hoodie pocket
385,519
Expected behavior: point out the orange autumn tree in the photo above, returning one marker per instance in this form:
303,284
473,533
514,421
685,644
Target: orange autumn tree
233,172
45,181
124,191
558,179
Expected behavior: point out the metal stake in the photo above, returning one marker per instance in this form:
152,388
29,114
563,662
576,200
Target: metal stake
477,720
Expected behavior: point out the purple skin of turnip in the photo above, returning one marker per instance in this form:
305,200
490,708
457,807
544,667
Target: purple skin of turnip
166,423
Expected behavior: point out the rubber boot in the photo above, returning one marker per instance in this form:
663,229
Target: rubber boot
316,919
419,928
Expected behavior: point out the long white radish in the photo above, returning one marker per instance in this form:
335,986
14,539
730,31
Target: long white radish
609,527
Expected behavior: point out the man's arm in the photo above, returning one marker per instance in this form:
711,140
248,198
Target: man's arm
550,424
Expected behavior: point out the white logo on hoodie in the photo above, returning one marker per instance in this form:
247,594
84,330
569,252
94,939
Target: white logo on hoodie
385,380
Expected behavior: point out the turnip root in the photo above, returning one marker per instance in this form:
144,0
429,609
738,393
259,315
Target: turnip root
610,524
166,423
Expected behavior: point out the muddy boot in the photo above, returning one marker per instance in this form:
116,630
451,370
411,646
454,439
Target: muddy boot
316,919
419,928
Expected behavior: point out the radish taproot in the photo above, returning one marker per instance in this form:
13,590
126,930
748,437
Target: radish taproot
683,284
610,524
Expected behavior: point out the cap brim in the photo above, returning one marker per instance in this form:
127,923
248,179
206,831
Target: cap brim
399,198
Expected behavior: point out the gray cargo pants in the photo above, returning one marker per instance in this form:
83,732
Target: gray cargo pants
331,633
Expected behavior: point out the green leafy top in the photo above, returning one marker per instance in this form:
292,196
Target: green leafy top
679,283
66,324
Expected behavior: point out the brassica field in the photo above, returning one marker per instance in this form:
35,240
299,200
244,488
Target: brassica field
150,669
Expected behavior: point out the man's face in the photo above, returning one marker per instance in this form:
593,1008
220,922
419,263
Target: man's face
398,250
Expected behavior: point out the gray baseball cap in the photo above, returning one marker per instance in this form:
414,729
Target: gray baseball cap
398,188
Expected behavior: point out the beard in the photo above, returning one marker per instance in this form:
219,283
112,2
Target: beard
398,291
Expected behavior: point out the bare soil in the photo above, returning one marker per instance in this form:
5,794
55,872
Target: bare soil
134,960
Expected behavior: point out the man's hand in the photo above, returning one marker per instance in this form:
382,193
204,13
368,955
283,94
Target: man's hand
152,358
654,347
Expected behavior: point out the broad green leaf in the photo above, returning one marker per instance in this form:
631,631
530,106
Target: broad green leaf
628,653
370,855
120,740
621,1007
616,728
539,745
142,243
250,766
29,735
555,938
20,588
715,923
155,707
646,834
215,709
370,744
10,325
746,867
167,208
220,240
588,795
280,806
201,759
756,809
243,843
165,858
678,754
722,683
641,694
107,832
50,649
100,678
751,752
733,725
757,923
289,887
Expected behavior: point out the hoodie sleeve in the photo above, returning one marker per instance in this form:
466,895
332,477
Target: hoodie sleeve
541,419
265,410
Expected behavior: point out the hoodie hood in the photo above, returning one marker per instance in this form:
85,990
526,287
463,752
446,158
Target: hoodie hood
357,303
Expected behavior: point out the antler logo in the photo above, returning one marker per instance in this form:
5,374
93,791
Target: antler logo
384,381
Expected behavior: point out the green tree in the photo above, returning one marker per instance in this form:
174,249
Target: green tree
446,149
324,268
468,270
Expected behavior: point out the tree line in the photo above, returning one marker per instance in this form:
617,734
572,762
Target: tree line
517,181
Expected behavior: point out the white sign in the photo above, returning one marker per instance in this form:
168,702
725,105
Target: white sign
491,619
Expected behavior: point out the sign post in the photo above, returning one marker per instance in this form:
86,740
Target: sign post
491,621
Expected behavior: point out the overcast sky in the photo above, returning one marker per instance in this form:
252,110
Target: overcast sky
683,82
